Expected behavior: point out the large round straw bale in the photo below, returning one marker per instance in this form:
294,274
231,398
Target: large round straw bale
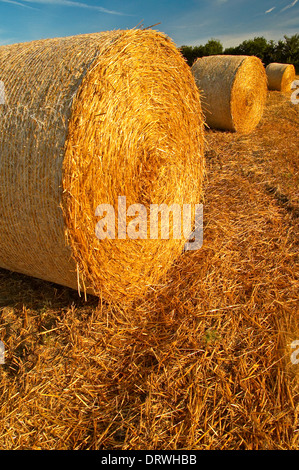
87,119
280,76
234,91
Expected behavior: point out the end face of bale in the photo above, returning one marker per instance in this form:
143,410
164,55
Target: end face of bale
234,91
136,130
280,76
249,95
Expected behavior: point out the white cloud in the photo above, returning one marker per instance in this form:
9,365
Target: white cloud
290,5
67,3
269,11
19,4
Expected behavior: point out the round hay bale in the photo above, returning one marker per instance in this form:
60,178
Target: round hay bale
234,91
87,119
280,76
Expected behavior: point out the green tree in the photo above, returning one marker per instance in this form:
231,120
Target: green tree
231,51
285,50
213,47
192,53
269,53
256,46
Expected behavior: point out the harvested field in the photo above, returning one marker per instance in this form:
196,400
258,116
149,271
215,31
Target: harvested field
204,361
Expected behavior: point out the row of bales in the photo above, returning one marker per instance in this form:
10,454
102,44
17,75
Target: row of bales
89,118
235,89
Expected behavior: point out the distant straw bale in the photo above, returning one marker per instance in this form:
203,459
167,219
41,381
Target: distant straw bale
234,91
280,76
87,119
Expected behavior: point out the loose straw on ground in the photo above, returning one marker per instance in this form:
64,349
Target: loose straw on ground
280,76
87,119
234,91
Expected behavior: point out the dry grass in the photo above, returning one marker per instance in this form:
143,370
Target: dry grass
204,361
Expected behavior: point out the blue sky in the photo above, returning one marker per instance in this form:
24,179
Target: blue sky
190,22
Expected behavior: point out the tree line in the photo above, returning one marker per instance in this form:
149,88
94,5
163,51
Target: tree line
285,50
